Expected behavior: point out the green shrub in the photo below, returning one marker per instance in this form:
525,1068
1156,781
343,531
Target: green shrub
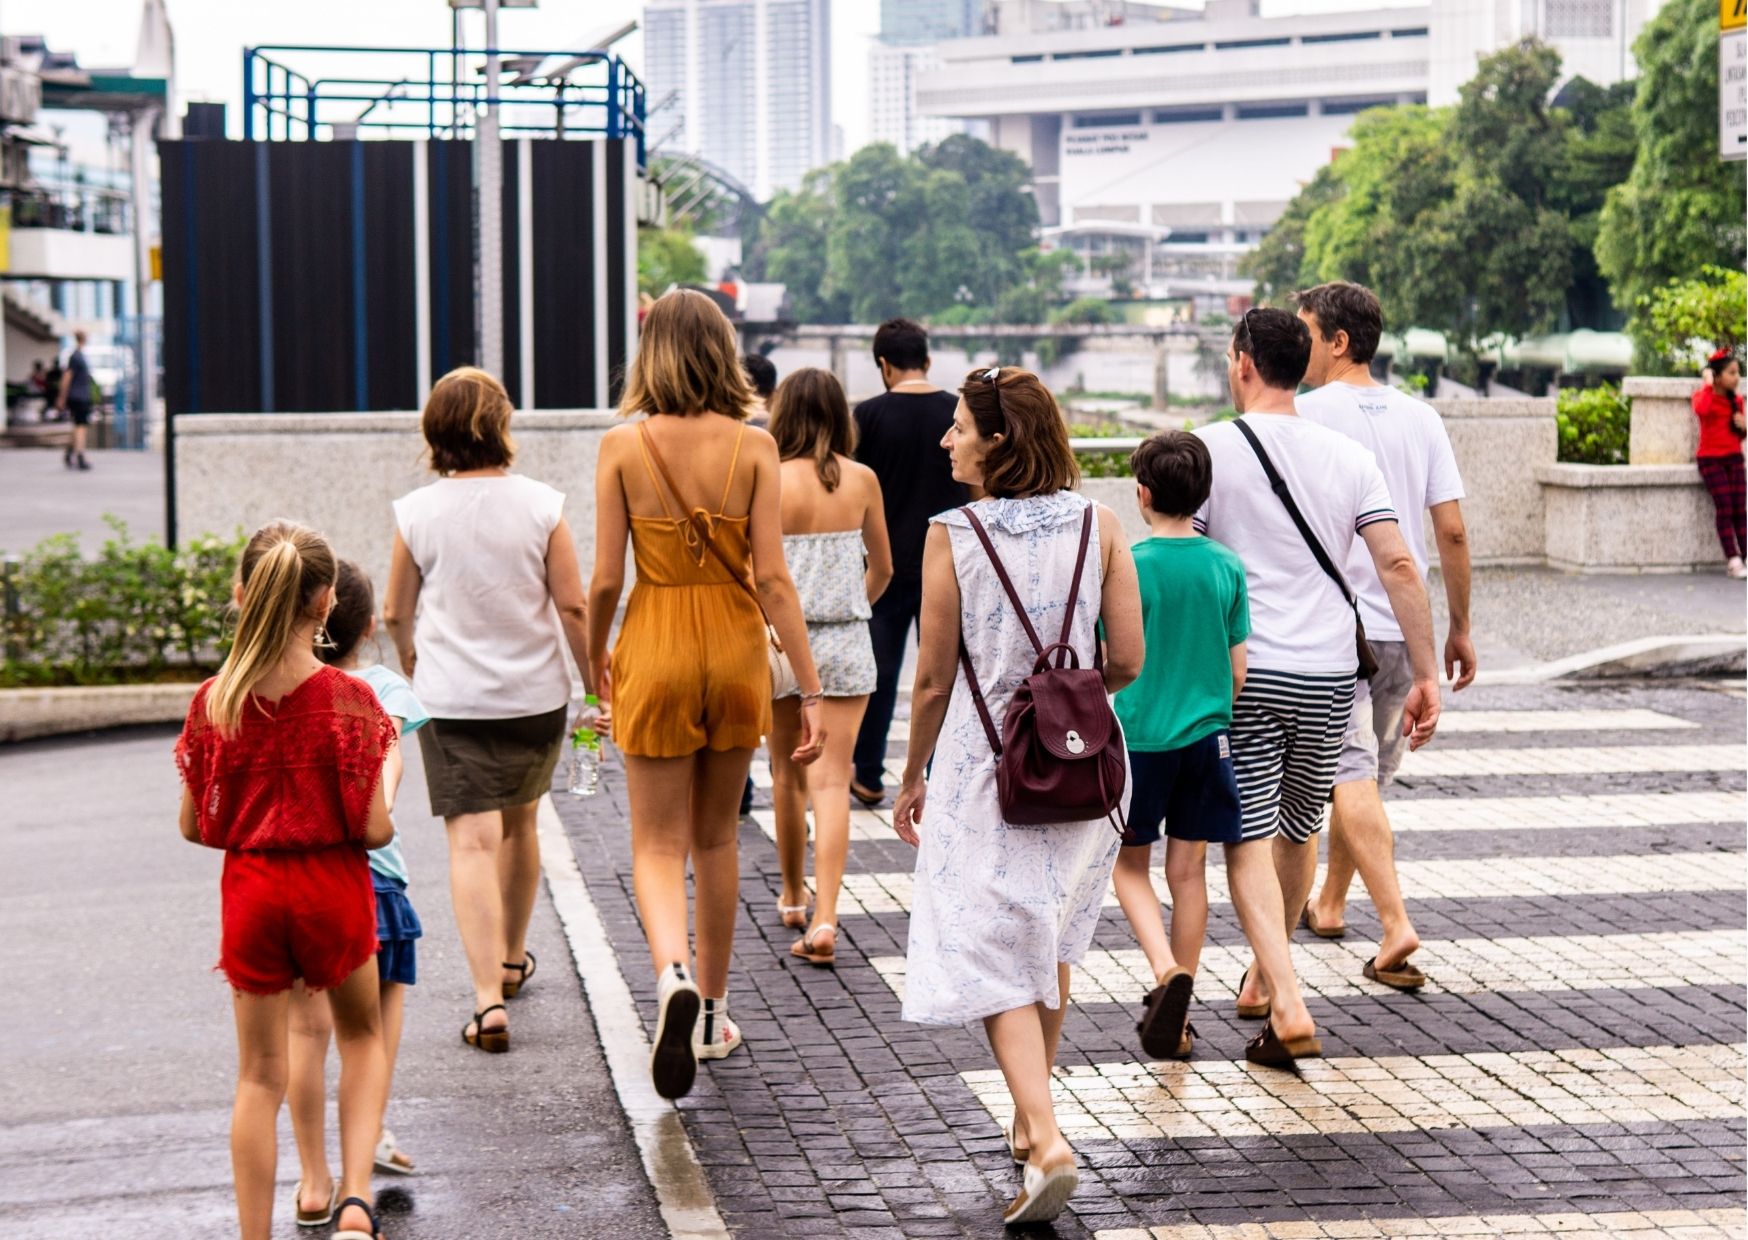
136,612
1101,464
1594,424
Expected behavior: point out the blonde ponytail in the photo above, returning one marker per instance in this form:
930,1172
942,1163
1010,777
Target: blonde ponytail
284,567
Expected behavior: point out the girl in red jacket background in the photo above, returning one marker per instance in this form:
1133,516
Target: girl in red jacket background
1719,409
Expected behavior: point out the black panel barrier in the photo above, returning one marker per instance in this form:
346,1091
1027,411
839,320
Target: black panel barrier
390,280
565,269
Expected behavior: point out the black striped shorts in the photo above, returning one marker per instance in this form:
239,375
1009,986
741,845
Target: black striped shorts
1287,730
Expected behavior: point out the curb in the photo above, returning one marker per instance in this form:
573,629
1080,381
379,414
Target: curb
1700,654
27,714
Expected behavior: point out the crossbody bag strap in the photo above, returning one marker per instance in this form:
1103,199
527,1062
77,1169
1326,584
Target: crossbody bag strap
1279,486
705,534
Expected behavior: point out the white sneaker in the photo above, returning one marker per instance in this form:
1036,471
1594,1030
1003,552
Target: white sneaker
715,1036
1736,568
672,1065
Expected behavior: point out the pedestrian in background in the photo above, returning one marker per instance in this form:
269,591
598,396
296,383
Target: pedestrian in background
1291,498
834,541
484,594
1177,723
1001,912
762,375
282,761
689,680
897,436
1407,438
1719,456
73,399
351,624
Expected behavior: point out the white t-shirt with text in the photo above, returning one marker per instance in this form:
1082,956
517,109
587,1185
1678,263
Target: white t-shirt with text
487,635
1408,439
1299,621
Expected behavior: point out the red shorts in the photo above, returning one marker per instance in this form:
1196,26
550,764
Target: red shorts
296,914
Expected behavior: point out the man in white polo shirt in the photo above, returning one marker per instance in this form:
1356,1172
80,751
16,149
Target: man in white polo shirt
1290,719
1407,437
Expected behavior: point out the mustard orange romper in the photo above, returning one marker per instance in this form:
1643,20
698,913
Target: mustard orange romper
690,669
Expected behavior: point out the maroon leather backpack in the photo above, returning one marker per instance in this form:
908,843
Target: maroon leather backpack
1059,756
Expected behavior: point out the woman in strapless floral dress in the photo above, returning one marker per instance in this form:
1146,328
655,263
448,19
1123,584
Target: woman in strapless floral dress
834,540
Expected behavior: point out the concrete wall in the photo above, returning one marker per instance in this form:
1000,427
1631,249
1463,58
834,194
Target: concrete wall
1628,518
340,472
1499,444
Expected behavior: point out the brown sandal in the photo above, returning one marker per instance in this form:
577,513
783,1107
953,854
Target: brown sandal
1252,1011
495,1041
1404,976
525,970
1166,1013
1270,1051
1322,932
804,949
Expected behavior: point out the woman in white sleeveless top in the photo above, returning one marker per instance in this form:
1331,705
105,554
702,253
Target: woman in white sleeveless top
1001,911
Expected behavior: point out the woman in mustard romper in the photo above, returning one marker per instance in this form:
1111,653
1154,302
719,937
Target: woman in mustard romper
688,682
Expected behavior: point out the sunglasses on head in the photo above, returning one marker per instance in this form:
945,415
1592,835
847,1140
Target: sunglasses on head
991,377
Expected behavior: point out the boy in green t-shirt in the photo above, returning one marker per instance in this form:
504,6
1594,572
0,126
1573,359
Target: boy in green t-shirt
1175,719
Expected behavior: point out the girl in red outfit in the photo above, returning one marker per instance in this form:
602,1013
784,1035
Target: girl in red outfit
281,761
1719,410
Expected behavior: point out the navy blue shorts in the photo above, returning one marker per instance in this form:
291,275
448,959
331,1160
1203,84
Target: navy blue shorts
397,933
1191,792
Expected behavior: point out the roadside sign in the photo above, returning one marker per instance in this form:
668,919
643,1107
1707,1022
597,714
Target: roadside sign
1733,90
1732,14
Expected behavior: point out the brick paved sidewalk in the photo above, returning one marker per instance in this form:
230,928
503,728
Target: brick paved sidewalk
1574,862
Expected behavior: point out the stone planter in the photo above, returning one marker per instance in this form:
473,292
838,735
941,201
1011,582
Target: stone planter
29,713
1664,430
1499,445
1628,518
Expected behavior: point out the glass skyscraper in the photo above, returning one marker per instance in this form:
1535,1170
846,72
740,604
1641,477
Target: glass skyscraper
743,84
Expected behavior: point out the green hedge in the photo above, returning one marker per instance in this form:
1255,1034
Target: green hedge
134,613
1594,425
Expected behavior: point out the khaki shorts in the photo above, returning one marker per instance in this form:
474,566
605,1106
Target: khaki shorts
1374,744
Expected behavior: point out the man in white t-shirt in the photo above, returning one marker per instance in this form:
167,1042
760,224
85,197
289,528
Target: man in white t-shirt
1292,714
1407,437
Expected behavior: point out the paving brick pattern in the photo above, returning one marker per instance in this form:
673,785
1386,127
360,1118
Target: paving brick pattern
1575,1069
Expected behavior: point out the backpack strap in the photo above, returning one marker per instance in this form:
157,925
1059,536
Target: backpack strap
1007,584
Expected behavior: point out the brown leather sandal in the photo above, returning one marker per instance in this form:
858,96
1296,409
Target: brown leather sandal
1268,1050
475,1033
1167,1010
1404,976
1252,1011
525,972
1322,932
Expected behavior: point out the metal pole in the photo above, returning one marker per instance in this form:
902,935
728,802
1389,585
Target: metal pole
140,156
491,210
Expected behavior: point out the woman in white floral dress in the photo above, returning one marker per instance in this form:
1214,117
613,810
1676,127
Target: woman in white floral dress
1001,911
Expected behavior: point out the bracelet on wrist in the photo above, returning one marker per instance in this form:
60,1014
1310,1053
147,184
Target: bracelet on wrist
816,696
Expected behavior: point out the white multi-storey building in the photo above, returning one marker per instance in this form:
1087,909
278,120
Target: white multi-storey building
744,84
1179,137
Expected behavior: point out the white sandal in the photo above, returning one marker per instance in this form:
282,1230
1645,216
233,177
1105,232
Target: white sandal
794,916
804,949
1043,1193
389,1157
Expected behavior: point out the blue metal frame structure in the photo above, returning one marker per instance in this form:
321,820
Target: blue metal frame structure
586,93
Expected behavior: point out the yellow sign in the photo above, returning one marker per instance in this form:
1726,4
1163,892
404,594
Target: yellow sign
1732,14
5,236
158,259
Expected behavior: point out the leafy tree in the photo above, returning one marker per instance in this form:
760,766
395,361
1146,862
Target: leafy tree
879,212
666,257
1682,207
1686,319
1277,264
1600,146
790,248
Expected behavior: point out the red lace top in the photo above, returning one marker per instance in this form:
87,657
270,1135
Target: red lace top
298,774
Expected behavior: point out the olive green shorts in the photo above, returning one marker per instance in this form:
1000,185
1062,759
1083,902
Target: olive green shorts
475,766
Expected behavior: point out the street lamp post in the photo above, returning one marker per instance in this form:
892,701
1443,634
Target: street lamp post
490,182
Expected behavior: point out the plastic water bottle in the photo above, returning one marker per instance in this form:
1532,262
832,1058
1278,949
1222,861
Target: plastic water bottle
585,778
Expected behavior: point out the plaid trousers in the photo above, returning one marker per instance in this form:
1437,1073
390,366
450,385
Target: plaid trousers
1725,479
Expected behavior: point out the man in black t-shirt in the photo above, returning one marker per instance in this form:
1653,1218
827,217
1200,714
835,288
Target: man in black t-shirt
898,436
74,399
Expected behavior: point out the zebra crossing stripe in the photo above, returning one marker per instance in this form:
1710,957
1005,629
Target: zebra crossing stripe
1434,763
1725,1224
1331,970
1219,1098
1487,878
1468,722
1628,809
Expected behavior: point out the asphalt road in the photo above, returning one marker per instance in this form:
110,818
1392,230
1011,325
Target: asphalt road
119,1055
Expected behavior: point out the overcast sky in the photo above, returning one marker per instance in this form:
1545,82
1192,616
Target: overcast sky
211,35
